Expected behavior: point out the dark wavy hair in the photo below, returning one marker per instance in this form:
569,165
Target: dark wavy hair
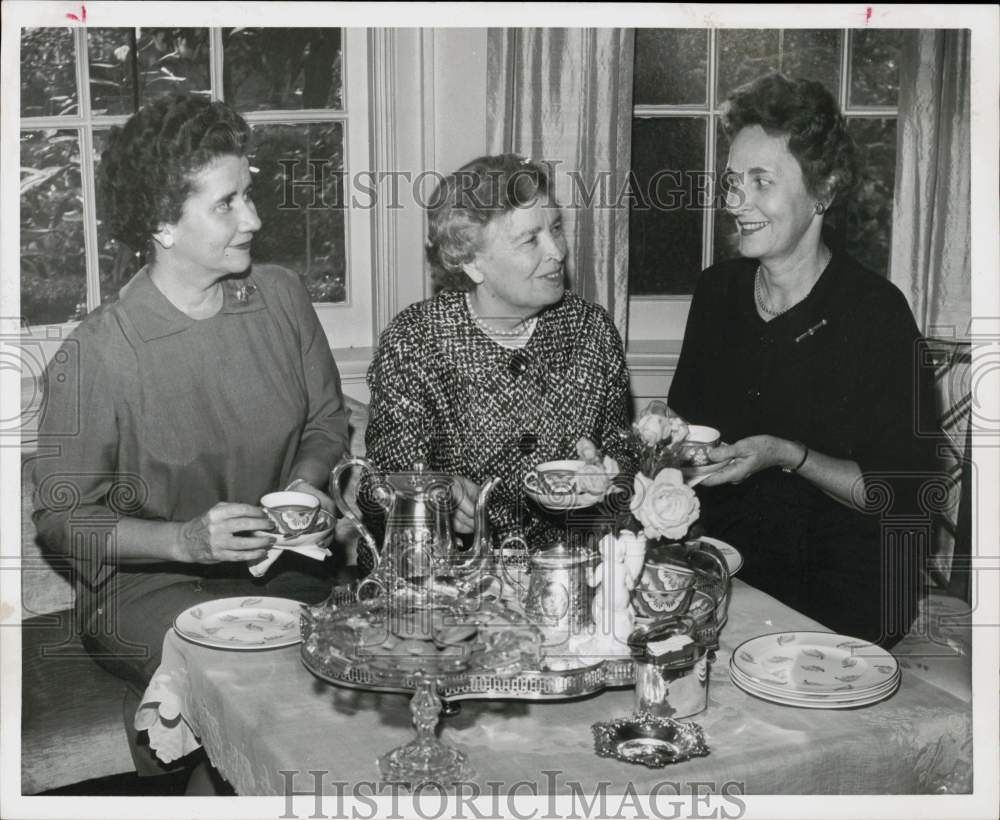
147,167
467,201
809,115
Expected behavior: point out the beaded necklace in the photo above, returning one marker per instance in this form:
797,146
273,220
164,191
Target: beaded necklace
523,328
758,292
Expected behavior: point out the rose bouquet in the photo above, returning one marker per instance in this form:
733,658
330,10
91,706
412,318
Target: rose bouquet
664,505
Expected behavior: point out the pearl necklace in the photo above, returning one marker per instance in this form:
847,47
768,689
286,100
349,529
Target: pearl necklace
758,293
523,328
765,308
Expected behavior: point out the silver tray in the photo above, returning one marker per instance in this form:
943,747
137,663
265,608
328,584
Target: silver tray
532,682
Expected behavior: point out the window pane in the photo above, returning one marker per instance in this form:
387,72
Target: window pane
53,270
303,225
279,68
110,54
869,217
117,262
169,61
668,158
812,55
48,72
671,66
875,66
173,61
745,54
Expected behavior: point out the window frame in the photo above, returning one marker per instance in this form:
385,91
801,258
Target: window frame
346,324
663,317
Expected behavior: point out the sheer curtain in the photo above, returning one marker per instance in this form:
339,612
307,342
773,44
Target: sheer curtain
565,96
930,232
931,259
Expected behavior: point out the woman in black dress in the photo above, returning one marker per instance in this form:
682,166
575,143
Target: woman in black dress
807,363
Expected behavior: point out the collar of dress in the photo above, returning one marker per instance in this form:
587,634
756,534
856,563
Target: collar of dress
154,316
465,346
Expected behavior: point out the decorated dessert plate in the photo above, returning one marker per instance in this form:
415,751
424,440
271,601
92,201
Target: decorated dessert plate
814,663
315,535
734,560
241,623
806,703
846,692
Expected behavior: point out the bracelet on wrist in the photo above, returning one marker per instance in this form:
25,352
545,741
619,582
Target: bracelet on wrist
797,467
295,483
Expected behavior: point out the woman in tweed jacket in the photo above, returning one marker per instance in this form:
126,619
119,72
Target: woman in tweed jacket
503,368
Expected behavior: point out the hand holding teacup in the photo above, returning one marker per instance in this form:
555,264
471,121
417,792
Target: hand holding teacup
228,531
748,456
693,450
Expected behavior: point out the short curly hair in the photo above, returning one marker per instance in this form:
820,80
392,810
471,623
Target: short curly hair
809,115
466,201
147,166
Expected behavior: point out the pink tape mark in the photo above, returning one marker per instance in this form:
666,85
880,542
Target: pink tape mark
868,15
82,18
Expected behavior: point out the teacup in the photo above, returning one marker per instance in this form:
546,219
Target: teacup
694,449
553,477
292,513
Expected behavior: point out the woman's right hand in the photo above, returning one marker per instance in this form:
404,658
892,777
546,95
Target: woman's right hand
465,493
212,537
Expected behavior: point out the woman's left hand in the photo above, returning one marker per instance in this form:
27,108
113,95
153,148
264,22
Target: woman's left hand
749,456
302,486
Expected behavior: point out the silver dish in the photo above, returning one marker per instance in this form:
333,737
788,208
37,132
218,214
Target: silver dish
324,656
649,740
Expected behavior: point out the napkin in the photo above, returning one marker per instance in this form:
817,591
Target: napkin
170,736
309,550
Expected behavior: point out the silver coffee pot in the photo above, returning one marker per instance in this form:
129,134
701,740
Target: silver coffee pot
419,544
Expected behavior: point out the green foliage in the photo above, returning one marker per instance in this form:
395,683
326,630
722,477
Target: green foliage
53,281
48,73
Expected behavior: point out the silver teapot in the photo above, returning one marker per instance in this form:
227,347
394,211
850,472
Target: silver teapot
419,545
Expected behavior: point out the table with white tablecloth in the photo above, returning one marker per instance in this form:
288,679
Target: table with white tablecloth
259,714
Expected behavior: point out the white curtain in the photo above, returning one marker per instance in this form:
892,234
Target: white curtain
930,232
930,253
565,96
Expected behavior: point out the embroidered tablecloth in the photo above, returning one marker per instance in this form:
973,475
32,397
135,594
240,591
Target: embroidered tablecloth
262,713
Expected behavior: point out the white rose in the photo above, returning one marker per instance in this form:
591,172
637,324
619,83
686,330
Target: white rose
678,429
652,428
665,505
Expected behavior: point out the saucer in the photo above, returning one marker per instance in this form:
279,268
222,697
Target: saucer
704,470
562,502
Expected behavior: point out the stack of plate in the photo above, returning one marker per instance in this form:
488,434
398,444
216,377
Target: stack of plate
814,670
